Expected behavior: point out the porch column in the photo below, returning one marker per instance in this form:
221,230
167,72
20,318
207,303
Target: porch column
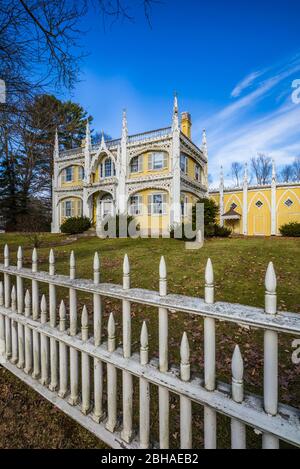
273,202
55,214
245,202
86,204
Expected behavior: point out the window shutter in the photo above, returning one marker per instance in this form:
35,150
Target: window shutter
150,161
165,160
140,202
79,214
72,208
63,208
63,176
149,204
141,160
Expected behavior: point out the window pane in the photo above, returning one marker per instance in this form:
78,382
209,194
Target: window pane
107,168
68,208
158,160
69,174
134,165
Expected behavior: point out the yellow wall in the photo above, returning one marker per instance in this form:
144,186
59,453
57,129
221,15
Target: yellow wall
76,201
259,218
146,171
155,222
287,214
76,181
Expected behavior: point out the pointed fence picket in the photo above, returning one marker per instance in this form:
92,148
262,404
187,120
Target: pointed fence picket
69,367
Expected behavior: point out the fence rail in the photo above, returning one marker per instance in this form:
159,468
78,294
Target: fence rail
70,367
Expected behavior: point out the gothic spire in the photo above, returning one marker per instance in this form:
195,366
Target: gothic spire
204,140
175,124
273,171
87,135
246,173
221,177
124,125
56,145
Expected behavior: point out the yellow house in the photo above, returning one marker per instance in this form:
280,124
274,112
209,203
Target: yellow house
258,210
152,176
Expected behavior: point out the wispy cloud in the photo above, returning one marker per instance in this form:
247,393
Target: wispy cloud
258,121
245,83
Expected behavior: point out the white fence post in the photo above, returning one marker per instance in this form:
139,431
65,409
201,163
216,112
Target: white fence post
2,324
126,377
14,331
7,299
73,399
210,415
44,345
185,403
20,306
111,378
35,287
97,414
28,335
35,316
163,360
20,287
63,354
144,392
52,315
238,429
85,365
270,357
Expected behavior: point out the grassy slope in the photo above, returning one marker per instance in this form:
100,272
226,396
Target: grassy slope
239,266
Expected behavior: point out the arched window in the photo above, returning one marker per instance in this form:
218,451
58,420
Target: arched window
67,174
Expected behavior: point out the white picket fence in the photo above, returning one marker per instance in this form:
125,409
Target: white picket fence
70,368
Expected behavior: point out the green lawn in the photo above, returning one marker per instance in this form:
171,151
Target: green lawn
239,267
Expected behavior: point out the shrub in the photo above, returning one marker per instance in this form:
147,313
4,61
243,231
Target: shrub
75,225
209,230
222,231
290,229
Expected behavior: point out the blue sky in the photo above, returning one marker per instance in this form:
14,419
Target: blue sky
232,64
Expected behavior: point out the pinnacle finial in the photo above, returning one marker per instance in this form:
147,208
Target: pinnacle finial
273,170
246,172
87,134
124,125
56,145
175,124
204,138
175,107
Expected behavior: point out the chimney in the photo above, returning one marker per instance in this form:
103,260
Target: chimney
186,124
